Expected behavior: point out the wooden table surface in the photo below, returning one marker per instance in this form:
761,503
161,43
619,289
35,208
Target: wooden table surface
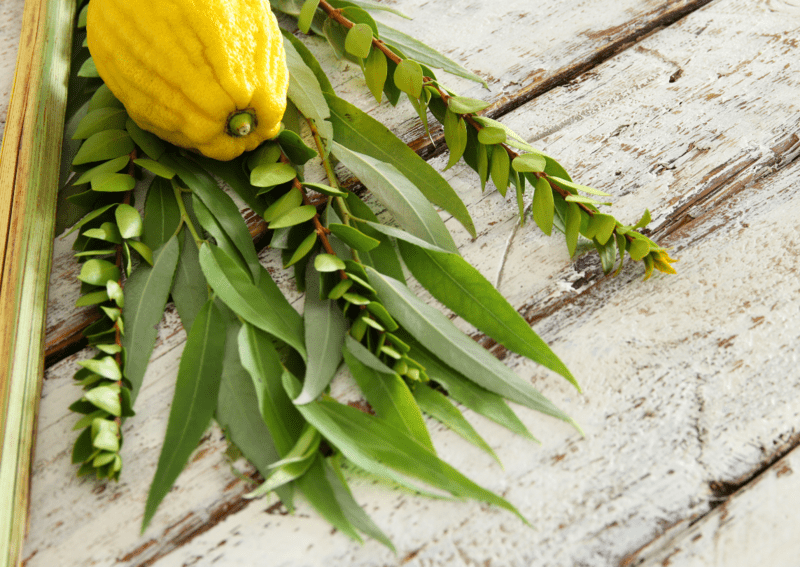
691,403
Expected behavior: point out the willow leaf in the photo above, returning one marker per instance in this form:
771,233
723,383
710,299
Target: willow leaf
352,511
209,223
325,328
386,392
196,391
161,213
374,444
293,465
238,413
462,288
407,205
321,496
263,306
261,360
221,206
431,328
437,405
418,51
146,293
305,92
189,289
359,132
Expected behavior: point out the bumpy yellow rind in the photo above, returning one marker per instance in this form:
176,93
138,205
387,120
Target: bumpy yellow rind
182,68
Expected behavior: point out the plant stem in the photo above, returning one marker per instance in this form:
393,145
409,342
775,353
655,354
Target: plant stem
185,218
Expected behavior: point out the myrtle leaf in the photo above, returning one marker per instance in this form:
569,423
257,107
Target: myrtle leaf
376,72
543,206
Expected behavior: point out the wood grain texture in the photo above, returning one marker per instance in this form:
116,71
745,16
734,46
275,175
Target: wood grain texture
28,182
552,44
688,379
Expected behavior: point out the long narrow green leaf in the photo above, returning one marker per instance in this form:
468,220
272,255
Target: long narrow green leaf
408,206
478,399
431,328
196,392
161,213
386,392
420,52
321,496
238,413
221,206
352,511
269,312
359,132
325,327
261,360
305,92
373,443
437,405
146,293
462,288
189,288
293,465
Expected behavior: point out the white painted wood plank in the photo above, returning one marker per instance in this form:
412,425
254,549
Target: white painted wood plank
661,388
756,526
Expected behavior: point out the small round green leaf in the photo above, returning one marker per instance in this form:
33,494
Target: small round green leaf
500,167
111,166
359,40
376,70
543,205
113,183
529,163
455,134
408,77
114,291
340,289
92,298
638,249
108,118
108,144
129,221
98,272
291,200
270,175
106,367
293,217
464,105
143,249
355,299
305,247
328,263
88,69
105,434
103,98
108,231
492,135
265,154
353,237
306,16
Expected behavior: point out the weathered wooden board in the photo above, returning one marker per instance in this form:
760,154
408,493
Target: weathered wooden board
755,526
549,46
688,379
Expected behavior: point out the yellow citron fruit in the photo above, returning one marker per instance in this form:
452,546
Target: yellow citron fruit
208,75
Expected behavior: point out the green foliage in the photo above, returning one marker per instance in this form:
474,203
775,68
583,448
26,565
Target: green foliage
251,361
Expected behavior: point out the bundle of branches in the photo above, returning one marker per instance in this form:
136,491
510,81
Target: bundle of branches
251,361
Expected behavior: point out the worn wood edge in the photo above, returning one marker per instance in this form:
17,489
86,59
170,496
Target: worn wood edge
28,178
67,341
728,496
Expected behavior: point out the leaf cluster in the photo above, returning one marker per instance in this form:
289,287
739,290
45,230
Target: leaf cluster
251,361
